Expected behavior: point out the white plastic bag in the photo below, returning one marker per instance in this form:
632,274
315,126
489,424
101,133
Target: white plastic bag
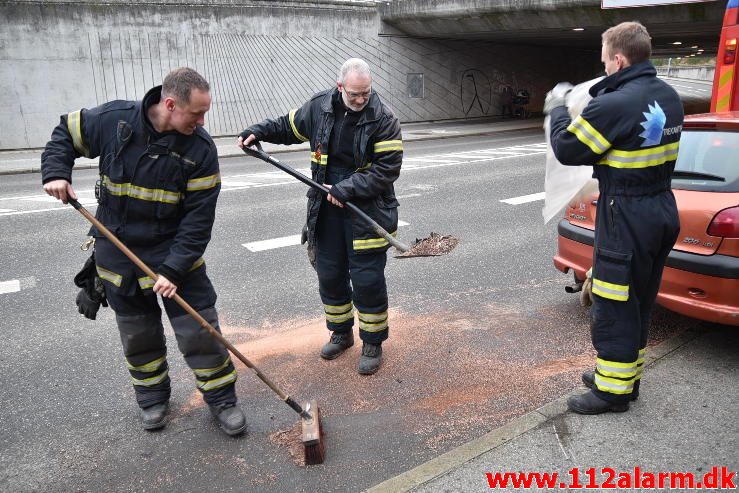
566,184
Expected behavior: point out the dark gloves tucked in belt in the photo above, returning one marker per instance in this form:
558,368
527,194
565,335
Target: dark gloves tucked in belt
92,292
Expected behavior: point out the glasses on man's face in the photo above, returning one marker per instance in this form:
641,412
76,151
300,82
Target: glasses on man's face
355,95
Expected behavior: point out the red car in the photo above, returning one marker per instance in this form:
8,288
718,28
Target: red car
701,276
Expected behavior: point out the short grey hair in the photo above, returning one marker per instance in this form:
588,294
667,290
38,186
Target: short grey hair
180,82
353,65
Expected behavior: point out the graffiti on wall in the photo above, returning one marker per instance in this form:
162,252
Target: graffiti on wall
476,93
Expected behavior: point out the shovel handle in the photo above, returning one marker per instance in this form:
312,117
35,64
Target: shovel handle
185,305
260,154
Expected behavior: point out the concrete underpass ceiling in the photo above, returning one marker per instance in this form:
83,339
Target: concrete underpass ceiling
550,23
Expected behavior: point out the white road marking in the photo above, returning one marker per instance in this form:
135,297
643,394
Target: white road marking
285,241
525,198
409,195
17,285
10,286
246,181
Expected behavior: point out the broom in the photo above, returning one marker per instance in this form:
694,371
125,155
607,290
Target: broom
310,415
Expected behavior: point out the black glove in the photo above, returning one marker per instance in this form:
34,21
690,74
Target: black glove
311,248
92,294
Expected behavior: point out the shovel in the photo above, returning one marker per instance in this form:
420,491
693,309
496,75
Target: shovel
433,245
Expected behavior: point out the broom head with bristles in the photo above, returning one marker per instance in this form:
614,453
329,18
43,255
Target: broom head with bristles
313,435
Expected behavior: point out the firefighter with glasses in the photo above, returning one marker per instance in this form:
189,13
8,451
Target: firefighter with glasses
357,151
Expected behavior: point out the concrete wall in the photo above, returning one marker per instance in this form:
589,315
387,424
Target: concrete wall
261,57
704,73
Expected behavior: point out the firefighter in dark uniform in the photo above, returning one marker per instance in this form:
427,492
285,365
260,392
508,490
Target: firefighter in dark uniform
629,133
159,183
357,151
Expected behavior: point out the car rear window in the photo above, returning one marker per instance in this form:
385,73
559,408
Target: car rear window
708,152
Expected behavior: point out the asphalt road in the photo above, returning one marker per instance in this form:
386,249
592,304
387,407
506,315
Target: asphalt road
477,337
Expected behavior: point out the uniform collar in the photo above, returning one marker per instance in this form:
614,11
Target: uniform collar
174,139
370,113
614,81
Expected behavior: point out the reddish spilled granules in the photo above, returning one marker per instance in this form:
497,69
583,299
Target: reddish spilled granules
449,375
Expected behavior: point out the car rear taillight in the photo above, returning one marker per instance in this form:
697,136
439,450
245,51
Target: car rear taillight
725,223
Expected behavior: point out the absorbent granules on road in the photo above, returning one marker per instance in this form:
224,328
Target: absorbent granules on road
433,245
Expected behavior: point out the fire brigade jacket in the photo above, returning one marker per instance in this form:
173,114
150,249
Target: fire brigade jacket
157,191
378,156
629,132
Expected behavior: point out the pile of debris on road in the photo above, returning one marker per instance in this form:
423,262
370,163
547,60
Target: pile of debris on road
435,244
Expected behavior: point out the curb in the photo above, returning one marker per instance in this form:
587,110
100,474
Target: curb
534,123
457,457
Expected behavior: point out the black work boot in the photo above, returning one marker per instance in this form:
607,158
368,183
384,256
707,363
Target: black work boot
588,378
589,403
230,418
154,417
339,342
370,360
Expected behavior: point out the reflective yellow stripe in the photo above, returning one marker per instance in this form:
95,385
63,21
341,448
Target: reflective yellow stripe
337,309
141,193
295,129
339,318
147,282
588,135
370,322
109,276
74,125
643,158
372,317
340,313
614,385
197,264
217,383
615,368
147,367
207,372
203,183
617,292
365,167
324,159
151,381
372,242
640,363
388,145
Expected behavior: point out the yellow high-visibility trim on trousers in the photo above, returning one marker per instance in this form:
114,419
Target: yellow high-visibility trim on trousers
217,383
207,372
616,292
339,314
615,368
147,367
151,381
372,322
613,385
